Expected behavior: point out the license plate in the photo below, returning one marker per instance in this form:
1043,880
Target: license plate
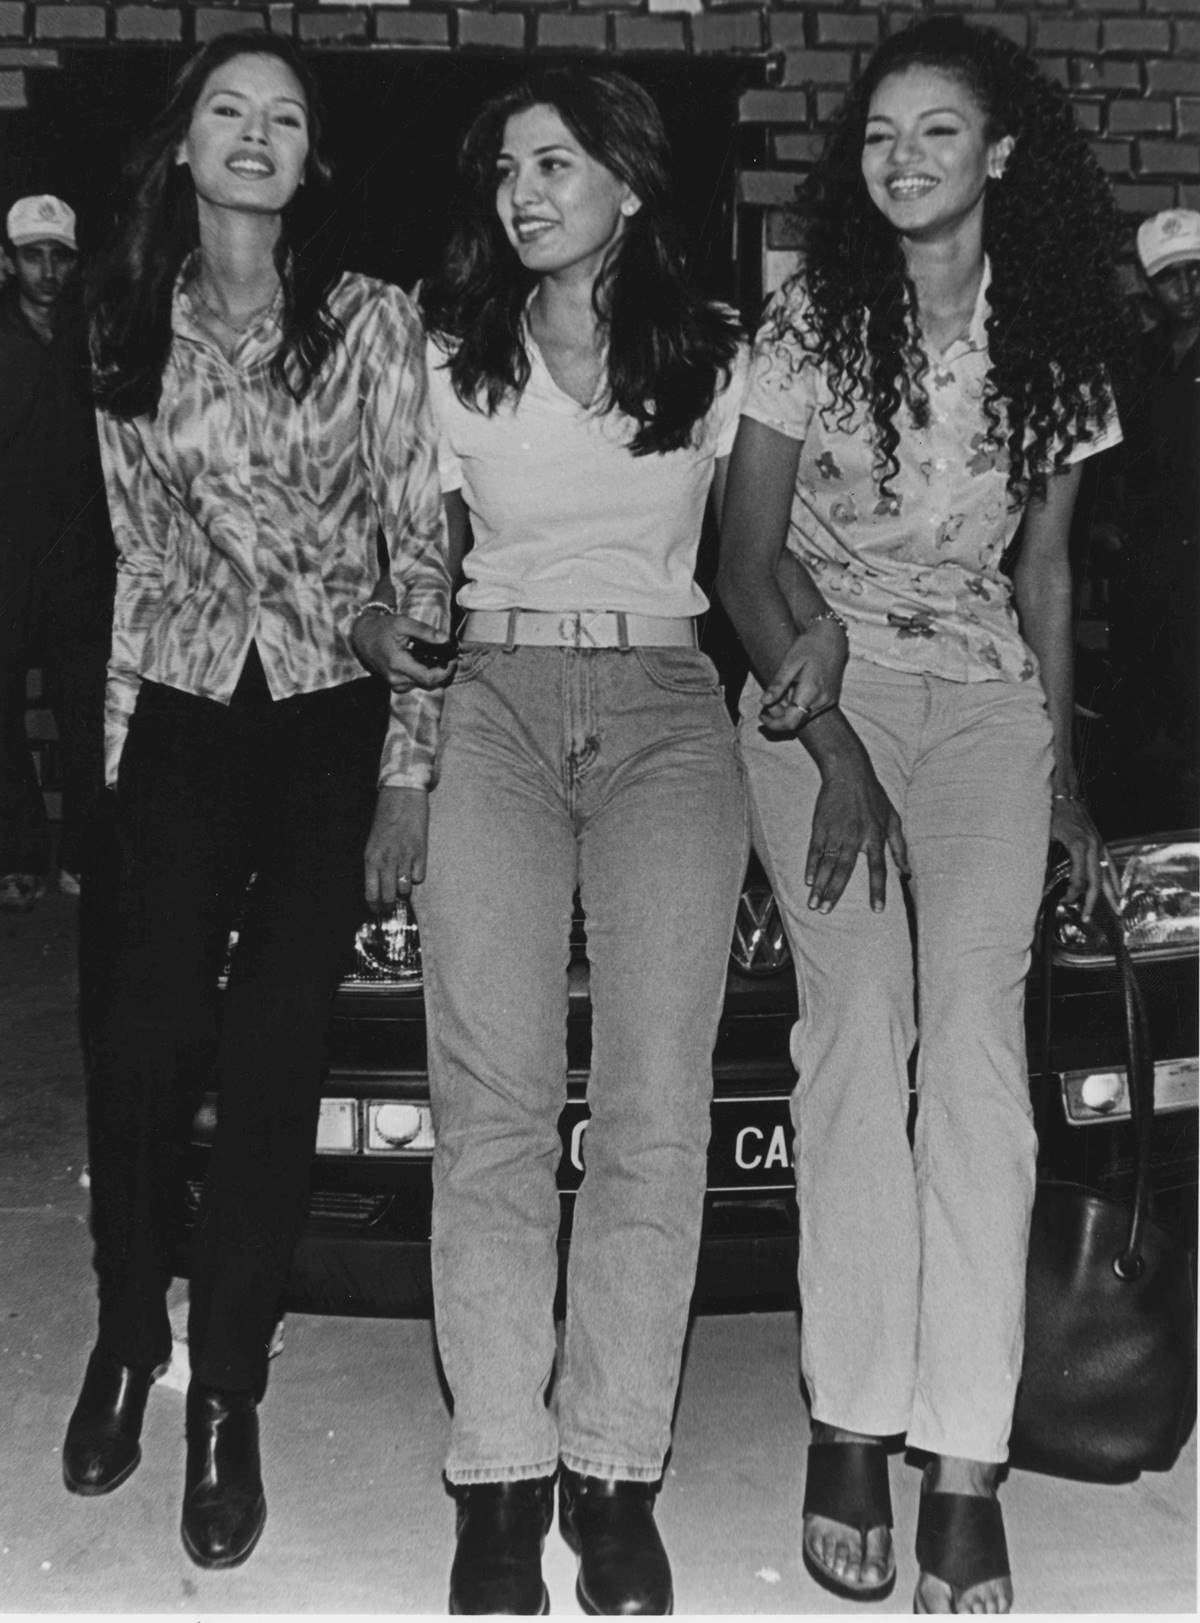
750,1148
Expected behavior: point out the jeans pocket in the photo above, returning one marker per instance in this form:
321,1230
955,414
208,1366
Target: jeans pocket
680,670
473,659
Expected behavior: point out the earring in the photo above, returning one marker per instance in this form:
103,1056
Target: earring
629,207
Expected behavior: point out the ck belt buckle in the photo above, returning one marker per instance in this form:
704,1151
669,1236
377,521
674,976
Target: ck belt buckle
576,629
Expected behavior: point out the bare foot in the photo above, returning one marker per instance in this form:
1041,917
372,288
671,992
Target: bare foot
838,1548
977,1480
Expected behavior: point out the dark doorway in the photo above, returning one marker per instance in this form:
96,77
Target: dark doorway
394,122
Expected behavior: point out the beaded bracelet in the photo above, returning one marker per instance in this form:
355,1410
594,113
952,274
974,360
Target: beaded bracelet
375,606
827,614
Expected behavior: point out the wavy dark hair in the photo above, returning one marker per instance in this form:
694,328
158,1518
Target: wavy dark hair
156,229
1057,326
667,345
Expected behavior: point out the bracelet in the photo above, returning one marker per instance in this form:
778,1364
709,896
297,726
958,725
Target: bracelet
375,606
827,614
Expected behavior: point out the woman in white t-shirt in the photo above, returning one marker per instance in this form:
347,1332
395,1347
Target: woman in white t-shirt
586,399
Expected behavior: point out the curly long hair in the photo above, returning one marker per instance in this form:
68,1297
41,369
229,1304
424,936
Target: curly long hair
157,229
667,345
1057,325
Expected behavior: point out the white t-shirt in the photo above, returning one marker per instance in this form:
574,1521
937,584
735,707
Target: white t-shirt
564,517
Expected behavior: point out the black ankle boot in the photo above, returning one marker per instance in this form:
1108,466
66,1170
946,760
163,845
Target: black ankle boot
102,1446
623,1568
501,1528
224,1507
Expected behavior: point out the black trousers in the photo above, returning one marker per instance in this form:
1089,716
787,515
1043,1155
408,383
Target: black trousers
212,799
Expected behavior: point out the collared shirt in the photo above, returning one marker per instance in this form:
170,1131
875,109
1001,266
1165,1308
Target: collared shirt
564,517
916,572
243,516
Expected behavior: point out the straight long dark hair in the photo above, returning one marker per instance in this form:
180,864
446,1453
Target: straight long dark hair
157,228
668,346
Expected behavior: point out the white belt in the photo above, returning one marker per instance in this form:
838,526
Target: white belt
577,628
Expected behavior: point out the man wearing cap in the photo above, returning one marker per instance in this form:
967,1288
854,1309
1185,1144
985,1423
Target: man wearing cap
56,552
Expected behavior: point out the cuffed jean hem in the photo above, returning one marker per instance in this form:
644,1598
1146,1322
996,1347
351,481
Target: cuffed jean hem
475,1476
864,1425
958,1448
604,1471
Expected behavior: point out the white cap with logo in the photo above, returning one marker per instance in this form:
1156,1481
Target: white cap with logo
1167,238
41,219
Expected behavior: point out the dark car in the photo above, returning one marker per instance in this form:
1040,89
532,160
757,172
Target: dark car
365,1249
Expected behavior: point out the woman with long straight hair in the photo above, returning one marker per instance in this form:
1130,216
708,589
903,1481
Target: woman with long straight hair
586,396
263,419
895,557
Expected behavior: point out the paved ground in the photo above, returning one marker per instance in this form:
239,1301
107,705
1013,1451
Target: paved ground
355,1424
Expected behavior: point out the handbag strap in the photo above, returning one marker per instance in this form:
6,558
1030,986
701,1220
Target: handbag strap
1139,1061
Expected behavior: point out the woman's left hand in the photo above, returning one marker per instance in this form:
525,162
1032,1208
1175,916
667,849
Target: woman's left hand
1071,827
808,679
394,860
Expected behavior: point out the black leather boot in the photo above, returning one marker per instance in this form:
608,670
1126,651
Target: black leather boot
102,1446
224,1507
501,1528
623,1568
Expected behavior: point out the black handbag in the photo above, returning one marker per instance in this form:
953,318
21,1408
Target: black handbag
1108,1385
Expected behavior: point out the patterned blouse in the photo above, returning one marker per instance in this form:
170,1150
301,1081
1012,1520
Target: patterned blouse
916,570
241,516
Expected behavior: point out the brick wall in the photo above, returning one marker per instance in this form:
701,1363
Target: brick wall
1132,67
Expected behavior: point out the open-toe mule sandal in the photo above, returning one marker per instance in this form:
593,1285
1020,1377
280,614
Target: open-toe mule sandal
848,1483
960,1541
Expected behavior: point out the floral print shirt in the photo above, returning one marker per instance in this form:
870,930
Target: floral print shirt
243,516
916,573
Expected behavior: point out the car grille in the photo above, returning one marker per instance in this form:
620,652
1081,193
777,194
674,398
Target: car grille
341,1206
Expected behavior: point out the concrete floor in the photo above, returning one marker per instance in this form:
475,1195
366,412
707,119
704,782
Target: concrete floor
355,1425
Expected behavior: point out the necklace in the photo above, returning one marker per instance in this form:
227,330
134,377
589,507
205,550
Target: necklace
235,327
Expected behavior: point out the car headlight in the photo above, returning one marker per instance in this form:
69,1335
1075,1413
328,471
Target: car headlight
387,949
1158,887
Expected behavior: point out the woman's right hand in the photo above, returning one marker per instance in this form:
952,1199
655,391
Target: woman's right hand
394,860
853,814
808,679
381,642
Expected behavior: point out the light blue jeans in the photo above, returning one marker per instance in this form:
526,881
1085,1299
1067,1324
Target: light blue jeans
912,1261
615,771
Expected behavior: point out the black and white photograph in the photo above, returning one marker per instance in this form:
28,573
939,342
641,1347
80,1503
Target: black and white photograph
599,813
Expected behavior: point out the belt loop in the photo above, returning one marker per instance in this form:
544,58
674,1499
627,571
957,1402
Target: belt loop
511,641
622,632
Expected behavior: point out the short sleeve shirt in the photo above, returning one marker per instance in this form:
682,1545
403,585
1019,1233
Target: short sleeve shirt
564,516
915,570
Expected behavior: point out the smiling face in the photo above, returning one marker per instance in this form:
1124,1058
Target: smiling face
926,155
248,139
561,209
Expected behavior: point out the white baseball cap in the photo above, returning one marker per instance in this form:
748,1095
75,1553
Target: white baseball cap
1165,239
41,219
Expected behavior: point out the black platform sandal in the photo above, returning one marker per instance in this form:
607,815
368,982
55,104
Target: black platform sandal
960,1542
848,1483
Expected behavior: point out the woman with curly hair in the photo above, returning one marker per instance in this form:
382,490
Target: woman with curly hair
263,420
586,397
921,398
